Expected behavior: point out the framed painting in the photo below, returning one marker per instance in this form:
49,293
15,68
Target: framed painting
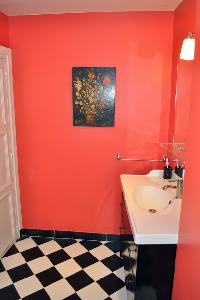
93,96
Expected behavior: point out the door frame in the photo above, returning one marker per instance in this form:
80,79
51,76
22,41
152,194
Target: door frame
5,53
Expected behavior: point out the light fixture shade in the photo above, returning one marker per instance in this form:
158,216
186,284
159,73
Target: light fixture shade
188,48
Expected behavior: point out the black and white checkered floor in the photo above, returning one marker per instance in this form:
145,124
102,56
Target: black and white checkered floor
43,268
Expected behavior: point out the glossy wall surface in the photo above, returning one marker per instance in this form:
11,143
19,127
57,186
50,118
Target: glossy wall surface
69,176
184,22
186,282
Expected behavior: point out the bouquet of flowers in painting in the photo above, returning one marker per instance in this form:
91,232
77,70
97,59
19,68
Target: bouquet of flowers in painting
93,96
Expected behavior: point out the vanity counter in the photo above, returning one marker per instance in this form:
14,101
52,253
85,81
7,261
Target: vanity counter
151,228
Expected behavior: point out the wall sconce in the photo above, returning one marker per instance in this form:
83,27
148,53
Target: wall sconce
188,47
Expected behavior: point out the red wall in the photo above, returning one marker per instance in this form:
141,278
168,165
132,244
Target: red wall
186,282
184,22
69,177
183,100
4,30
182,74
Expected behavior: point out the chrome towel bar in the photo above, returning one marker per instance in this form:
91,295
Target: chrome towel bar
140,159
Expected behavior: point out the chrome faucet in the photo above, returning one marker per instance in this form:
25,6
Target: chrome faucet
178,187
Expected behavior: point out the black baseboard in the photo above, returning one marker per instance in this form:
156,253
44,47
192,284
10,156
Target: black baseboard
74,235
126,237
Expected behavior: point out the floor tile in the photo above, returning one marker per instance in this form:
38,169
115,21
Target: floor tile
9,293
2,269
32,253
75,250
101,252
40,264
113,262
28,286
120,294
43,268
111,283
73,297
114,246
5,280
89,245
13,261
86,259
97,271
50,247
25,244
49,276
41,240
68,268
58,256
79,280
20,272
40,295
59,290
120,273
118,254
11,251
65,242
91,292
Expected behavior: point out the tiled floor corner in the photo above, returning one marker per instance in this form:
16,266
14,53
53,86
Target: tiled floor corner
42,268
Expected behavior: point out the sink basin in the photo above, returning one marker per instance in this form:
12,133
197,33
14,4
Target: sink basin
143,194
152,199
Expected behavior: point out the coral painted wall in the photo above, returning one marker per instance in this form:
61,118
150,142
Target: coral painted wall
186,282
69,176
4,30
184,22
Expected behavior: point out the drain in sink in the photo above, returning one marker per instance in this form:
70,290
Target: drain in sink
152,210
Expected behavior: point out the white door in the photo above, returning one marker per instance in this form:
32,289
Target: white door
10,217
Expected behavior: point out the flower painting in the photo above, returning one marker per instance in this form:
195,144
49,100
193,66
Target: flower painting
93,96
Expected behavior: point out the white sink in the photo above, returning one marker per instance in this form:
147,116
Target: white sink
152,199
153,213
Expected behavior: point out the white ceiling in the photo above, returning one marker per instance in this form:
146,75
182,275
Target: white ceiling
34,7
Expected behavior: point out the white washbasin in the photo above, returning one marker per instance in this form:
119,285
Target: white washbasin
144,192
152,199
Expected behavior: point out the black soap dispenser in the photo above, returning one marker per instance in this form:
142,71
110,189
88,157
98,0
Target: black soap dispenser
167,174
179,169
